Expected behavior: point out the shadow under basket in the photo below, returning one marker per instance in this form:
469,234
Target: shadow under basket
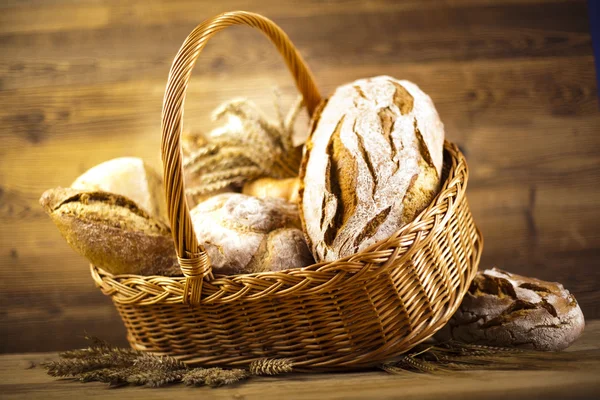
355,312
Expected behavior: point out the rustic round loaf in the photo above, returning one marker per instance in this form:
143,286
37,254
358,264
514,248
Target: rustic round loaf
504,309
130,177
372,162
243,234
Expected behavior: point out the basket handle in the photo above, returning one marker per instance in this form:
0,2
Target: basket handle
193,260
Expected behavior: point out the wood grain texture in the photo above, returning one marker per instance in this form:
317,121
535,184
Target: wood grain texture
82,82
21,377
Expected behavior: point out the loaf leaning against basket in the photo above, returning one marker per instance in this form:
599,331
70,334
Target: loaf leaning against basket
387,292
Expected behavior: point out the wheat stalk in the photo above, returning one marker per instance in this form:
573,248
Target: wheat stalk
247,145
102,362
213,377
270,366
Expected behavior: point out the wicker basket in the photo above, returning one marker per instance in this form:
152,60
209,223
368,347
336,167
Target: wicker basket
351,313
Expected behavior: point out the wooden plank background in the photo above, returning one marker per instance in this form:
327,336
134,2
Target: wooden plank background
82,82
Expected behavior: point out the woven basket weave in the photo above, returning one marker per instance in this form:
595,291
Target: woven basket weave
351,313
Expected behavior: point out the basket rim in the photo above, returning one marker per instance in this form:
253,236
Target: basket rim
146,290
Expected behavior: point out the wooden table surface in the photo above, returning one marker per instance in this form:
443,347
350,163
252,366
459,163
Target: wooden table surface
579,379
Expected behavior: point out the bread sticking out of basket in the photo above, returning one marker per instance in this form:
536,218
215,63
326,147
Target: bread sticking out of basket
382,201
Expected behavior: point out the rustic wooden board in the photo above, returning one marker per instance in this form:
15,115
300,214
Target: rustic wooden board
21,377
82,82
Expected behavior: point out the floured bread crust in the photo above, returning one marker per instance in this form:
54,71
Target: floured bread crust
130,177
373,161
112,232
244,234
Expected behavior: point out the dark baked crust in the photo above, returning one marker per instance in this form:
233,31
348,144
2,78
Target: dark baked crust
504,309
305,157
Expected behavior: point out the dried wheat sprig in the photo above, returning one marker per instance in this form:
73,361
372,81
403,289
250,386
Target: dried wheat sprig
114,376
197,154
116,366
456,356
250,115
96,375
417,364
237,172
225,377
98,351
286,124
206,189
247,146
213,377
270,366
80,353
135,375
154,377
195,377
290,120
236,155
227,158
279,118
162,363
98,347
102,362
73,366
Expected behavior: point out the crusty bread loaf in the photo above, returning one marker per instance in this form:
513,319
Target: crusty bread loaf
112,232
130,177
244,234
373,161
504,309
286,189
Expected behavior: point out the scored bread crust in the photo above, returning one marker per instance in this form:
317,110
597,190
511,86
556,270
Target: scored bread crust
112,232
504,309
372,162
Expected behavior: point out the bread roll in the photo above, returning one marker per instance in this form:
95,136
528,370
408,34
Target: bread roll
244,234
286,189
112,232
504,309
373,161
130,177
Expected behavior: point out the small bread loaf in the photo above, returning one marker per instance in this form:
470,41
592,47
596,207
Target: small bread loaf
112,232
244,234
130,177
504,309
286,189
372,163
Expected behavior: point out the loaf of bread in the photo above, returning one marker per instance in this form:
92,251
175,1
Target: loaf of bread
112,232
130,177
243,234
286,189
372,162
504,309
